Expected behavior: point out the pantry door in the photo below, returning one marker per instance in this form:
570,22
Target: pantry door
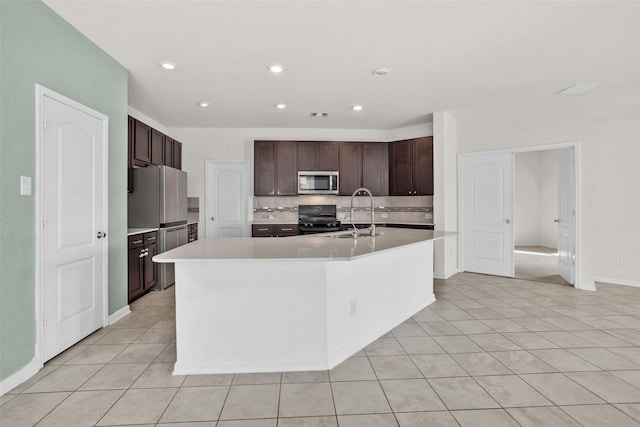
487,213
227,193
73,223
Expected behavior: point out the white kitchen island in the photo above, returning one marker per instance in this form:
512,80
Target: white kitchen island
294,303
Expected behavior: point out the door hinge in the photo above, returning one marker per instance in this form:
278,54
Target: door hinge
44,124
44,222
44,322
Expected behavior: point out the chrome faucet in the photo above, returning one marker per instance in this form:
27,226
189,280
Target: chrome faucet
372,227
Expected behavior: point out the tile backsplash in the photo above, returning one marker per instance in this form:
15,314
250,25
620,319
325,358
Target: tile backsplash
412,209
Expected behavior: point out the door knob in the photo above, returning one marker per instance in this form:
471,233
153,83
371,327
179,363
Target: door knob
557,220
508,221
212,219
101,234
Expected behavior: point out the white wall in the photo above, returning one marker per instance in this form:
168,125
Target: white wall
536,198
617,196
548,198
445,192
607,179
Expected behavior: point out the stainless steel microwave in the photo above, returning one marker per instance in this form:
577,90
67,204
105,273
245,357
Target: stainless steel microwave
318,182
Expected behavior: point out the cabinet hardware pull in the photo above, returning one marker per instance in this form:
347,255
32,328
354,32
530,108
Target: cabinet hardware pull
263,229
135,242
287,229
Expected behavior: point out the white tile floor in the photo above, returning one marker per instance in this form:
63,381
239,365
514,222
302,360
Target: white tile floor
489,352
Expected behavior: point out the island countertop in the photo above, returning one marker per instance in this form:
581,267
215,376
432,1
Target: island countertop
321,247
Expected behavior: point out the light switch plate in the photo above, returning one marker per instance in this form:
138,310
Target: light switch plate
25,185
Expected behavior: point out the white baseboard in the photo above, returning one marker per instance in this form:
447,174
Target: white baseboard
446,275
613,281
113,318
29,370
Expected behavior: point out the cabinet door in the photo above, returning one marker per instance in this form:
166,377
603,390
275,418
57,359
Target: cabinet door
262,230
327,156
350,167
400,170
168,151
375,167
177,154
157,147
286,170
423,166
283,230
135,274
142,145
264,168
131,131
150,270
307,155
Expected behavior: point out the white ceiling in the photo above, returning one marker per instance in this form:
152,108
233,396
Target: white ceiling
443,55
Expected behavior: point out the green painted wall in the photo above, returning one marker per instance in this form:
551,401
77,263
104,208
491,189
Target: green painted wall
38,46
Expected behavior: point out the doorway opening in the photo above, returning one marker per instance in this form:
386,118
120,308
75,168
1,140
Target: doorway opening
520,227
536,219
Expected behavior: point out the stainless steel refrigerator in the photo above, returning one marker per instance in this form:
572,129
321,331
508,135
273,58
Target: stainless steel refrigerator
159,200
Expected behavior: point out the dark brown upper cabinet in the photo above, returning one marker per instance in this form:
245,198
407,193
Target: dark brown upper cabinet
168,151
364,165
157,147
275,171
411,167
317,155
142,144
177,154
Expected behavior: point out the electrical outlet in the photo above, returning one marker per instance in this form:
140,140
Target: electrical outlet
353,307
385,215
25,185
619,260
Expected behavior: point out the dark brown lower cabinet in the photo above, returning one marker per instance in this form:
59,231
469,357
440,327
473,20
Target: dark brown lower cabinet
274,230
143,273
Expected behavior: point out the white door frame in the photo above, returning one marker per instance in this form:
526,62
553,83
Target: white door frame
572,144
41,93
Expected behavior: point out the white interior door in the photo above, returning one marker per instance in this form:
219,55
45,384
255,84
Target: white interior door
566,214
487,213
227,192
73,239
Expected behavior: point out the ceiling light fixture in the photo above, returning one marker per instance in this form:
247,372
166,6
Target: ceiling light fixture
204,104
356,107
380,72
168,65
275,68
281,106
579,88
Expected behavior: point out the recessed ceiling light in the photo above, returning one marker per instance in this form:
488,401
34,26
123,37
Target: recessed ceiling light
281,106
275,68
168,65
380,71
356,107
204,103
579,88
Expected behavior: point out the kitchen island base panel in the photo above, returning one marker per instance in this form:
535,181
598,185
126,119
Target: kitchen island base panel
237,316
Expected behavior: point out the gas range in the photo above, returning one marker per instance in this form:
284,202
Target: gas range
317,219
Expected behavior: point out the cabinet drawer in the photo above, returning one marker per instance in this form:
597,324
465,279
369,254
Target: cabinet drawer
281,230
136,241
150,238
262,230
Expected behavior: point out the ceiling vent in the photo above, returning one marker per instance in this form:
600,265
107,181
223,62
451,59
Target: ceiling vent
319,114
579,88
